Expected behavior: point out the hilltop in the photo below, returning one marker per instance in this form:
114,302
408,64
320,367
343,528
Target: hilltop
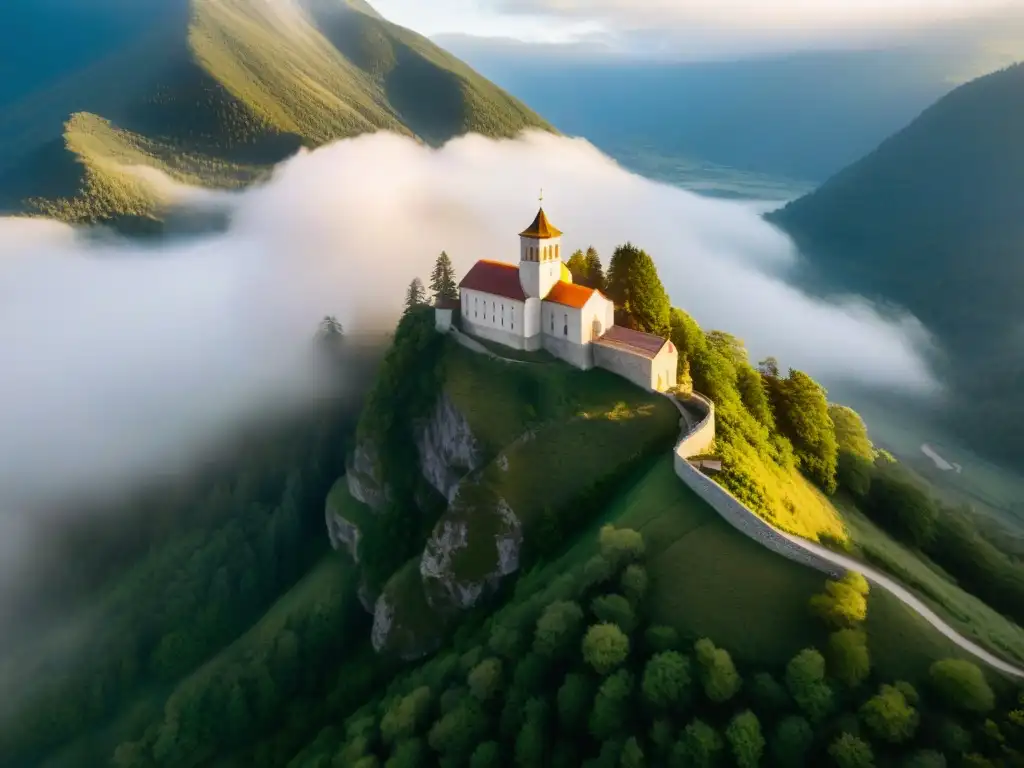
933,220
224,89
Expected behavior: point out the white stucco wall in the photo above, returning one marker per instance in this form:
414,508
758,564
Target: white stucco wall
665,365
538,278
561,322
485,310
598,309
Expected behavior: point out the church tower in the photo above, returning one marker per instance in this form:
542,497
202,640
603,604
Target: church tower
540,256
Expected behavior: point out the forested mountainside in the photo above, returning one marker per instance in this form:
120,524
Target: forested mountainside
520,578
933,220
221,90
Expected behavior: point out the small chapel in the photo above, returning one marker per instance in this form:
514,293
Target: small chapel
535,305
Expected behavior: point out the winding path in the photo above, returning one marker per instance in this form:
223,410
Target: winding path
825,560
787,545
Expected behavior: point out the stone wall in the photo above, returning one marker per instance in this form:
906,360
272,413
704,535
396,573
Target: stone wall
699,439
636,368
578,355
740,517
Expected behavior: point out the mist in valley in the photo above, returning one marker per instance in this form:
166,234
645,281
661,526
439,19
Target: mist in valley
123,361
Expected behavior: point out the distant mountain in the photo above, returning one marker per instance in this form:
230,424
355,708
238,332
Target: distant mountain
214,92
933,220
801,116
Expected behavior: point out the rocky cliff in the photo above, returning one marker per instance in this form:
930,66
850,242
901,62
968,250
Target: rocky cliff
472,548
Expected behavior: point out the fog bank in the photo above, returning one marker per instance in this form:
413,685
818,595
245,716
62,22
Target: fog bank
118,359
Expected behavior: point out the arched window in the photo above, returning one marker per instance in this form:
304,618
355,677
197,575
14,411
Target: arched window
552,316
557,256
503,315
596,329
474,306
513,317
565,328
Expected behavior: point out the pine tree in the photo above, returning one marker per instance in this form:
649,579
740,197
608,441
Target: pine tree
594,270
442,280
639,296
331,329
415,295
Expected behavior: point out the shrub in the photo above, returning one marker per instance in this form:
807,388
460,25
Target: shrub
888,715
792,741
558,628
575,699
634,583
849,751
961,685
745,739
717,672
620,546
666,681
699,746
805,679
605,646
841,605
611,705
485,679
849,657
614,609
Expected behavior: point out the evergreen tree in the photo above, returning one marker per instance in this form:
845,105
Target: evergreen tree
594,270
442,279
577,264
639,296
414,295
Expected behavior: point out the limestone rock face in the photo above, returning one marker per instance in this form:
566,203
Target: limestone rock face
383,618
469,552
447,448
362,477
344,534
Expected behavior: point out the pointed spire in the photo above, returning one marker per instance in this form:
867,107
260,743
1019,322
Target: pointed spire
541,229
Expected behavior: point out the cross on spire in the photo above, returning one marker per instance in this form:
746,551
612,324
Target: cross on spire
542,195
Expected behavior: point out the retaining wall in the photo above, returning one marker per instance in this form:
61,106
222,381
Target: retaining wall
739,516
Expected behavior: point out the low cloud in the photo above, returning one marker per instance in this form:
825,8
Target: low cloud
120,359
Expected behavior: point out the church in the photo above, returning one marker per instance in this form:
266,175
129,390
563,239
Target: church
535,305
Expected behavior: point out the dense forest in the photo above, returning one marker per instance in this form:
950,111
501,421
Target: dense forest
232,636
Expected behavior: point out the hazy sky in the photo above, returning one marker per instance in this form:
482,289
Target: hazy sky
694,27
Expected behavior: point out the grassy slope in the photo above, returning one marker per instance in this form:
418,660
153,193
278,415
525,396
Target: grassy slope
710,580
547,432
964,612
242,87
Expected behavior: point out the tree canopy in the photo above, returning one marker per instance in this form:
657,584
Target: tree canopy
640,298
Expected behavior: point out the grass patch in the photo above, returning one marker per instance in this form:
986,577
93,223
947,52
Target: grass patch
526,356
784,497
416,627
970,616
709,580
552,435
340,502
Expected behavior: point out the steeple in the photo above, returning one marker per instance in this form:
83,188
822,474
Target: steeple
541,229
540,255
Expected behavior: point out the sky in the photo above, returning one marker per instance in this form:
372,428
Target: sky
701,28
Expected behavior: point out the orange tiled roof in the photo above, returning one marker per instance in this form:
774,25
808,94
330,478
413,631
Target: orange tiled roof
495,277
569,294
541,228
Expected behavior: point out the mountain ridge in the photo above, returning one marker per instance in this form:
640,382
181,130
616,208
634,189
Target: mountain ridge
239,83
933,220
